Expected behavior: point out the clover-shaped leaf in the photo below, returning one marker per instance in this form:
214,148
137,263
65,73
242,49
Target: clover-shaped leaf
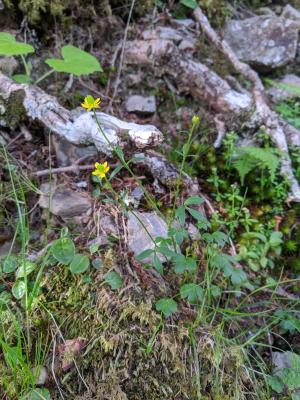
75,61
10,47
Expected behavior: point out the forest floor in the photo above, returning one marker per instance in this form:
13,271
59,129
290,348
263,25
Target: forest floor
178,281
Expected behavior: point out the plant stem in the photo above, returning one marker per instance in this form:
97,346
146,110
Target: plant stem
44,76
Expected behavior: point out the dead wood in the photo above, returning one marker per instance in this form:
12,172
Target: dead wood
76,129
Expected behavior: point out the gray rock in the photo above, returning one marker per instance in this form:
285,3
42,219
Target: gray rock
40,375
290,12
277,94
8,65
67,153
183,23
265,42
141,105
138,238
65,203
283,361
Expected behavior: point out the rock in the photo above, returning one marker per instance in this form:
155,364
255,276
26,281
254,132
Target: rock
283,361
290,12
8,65
266,42
65,203
141,105
67,153
138,238
106,226
277,94
40,375
183,23
163,32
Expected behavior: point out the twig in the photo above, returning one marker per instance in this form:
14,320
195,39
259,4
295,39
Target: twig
122,56
270,119
70,168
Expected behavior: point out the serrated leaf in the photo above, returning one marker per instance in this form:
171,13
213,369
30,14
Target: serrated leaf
180,214
79,264
113,279
158,264
195,214
10,47
18,289
63,250
238,276
192,292
193,201
167,306
25,269
144,254
75,61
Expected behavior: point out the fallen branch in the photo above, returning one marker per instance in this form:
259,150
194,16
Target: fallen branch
76,129
271,121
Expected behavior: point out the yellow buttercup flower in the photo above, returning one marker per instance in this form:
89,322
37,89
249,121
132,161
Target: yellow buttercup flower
90,103
101,169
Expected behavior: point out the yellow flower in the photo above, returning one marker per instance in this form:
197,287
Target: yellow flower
195,120
101,170
90,103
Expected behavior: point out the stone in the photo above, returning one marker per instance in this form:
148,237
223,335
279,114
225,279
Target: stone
286,360
65,203
8,65
68,153
138,238
266,42
290,12
278,94
141,105
40,375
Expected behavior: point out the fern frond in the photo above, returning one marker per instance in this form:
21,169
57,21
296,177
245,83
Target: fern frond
249,158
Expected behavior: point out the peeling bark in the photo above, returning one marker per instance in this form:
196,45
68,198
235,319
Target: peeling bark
82,129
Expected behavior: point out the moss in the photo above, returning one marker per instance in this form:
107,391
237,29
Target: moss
14,109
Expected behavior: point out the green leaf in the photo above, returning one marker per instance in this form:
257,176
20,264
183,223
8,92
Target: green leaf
25,269
63,250
275,239
180,214
75,61
189,3
97,263
238,276
193,201
158,264
21,78
195,214
113,279
275,383
144,254
10,264
94,248
10,47
215,291
37,394
79,264
167,306
192,292
18,289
